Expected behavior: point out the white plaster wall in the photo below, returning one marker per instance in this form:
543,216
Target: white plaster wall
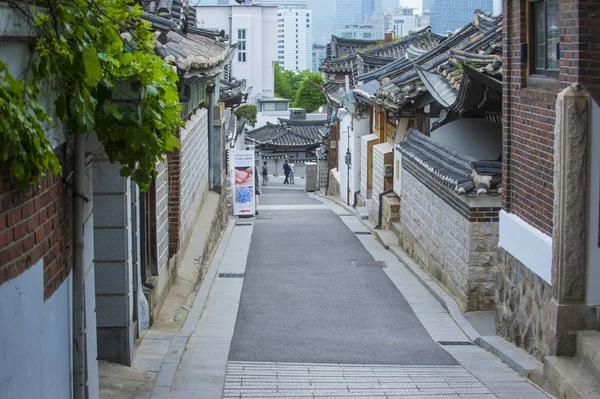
397,172
260,23
479,139
529,245
593,247
361,128
35,338
365,191
343,145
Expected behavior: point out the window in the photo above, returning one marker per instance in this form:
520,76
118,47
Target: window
279,106
544,38
241,45
307,25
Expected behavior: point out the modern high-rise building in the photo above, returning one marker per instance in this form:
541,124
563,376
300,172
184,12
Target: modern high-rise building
429,6
318,55
449,15
387,5
295,37
348,12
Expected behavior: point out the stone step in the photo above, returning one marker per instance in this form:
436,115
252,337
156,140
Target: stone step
363,212
588,349
571,378
396,228
387,238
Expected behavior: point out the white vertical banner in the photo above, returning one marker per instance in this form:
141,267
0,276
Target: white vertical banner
242,166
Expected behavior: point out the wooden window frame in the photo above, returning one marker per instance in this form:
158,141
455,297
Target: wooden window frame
533,69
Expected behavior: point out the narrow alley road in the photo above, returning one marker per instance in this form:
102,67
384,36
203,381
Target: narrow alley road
307,304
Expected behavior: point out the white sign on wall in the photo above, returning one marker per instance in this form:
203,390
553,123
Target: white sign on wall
242,165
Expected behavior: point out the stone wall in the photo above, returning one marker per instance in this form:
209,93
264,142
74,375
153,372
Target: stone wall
334,185
194,167
454,242
390,211
379,153
522,312
322,171
162,214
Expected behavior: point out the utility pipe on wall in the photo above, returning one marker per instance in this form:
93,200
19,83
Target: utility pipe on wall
79,344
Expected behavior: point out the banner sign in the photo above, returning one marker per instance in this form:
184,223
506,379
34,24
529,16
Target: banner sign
242,166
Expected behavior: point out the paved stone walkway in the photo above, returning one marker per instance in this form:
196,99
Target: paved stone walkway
302,321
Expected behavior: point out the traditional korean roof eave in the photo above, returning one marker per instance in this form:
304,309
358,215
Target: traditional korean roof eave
440,70
477,93
289,133
461,174
195,51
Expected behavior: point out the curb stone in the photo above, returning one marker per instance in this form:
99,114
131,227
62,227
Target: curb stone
170,363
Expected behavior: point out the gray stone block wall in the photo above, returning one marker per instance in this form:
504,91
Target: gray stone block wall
459,253
194,164
522,306
322,170
162,214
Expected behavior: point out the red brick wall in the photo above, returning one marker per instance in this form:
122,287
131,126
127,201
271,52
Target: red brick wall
529,107
174,166
36,225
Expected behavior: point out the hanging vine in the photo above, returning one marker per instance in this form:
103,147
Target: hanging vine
87,52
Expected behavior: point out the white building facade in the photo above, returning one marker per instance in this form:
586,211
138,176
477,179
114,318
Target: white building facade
295,37
254,29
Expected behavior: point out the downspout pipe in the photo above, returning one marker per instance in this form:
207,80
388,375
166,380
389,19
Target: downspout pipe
211,137
79,344
381,206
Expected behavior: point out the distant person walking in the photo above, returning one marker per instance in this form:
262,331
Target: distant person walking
286,171
256,190
265,173
292,171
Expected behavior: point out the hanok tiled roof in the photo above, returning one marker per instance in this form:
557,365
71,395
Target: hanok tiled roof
289,133
340,47
367,59
233,92
193,50
478,46
333,92
460,173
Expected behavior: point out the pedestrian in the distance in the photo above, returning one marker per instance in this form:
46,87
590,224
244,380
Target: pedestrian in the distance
256,190
286,172
292,171
265,173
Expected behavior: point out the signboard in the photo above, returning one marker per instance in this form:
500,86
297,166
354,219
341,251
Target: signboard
242,166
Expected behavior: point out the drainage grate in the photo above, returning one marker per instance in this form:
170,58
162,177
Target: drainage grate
369,264
243,224
456,343
345,214
231,275
362,233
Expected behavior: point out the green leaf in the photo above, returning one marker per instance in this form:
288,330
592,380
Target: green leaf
91,64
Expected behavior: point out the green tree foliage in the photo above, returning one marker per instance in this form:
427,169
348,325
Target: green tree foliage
84,51
288,82
248,112
309,96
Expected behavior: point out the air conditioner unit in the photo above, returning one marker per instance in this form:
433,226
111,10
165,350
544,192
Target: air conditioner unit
219,113
388,171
